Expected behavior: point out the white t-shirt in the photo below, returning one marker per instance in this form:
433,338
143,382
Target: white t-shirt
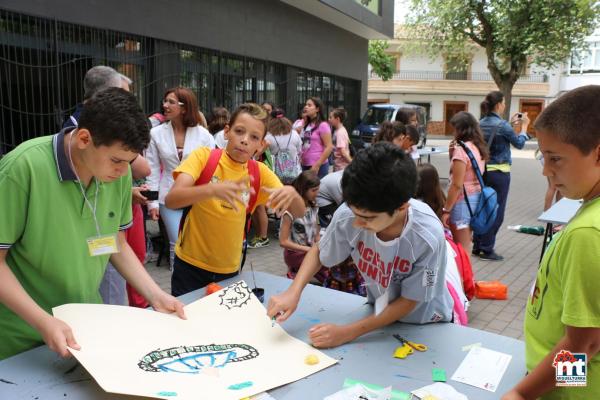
330,190
220,141
412,266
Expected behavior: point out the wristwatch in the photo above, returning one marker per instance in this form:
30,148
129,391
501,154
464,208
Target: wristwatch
444,211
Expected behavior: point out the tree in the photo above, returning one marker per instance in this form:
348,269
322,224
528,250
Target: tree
512,32
381,62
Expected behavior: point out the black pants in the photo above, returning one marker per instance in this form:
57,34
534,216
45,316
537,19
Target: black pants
187,278
500,181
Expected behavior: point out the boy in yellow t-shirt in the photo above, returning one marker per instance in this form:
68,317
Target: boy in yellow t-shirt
210,244
562,319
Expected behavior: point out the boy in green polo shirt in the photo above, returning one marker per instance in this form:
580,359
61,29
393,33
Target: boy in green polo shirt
64,203
562,318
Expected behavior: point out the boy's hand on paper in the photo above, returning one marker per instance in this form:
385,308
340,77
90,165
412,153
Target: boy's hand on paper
329,335
280,199
282,306
58,336
168,304
513,395
231,191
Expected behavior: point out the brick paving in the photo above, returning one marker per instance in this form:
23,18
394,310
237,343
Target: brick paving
521,251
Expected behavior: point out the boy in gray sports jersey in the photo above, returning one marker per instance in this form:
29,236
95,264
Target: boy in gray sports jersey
396,242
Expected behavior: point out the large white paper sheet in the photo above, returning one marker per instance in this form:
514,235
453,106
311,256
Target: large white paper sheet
482,368
226,349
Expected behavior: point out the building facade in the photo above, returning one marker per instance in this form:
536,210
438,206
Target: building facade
444,88
227,52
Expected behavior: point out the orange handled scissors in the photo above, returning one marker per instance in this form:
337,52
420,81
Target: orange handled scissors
416,346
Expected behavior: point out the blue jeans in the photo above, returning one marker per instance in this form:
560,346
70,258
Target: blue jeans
112,287
171,219
460,215
500,181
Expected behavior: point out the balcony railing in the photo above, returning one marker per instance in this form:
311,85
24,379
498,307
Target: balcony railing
464,76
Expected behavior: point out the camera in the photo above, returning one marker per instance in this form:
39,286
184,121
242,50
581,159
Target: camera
150,194
520,115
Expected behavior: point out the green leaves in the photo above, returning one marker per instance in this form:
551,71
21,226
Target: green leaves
512,32
381,62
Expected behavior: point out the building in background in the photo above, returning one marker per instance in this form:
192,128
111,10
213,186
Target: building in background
227,52
444,87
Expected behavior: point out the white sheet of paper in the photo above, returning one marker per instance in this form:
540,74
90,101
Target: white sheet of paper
359,392
441,391
226,349
482,368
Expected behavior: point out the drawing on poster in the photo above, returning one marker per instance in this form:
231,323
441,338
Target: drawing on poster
235,295
193,359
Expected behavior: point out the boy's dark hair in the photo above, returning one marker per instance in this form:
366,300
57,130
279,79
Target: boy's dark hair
340,114
429,190
389,131
114,115
467,129
489,103
252,109
219,117
574,118
380,178
306,180
413,134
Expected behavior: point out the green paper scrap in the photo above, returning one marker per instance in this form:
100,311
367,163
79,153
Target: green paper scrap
438,374
396,394
470,346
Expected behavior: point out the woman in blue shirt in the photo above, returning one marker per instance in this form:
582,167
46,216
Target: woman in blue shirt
499,135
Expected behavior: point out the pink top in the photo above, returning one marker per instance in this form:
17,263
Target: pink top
471,182
312,144
341,142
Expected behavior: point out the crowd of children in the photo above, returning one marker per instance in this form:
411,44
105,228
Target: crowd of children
392,236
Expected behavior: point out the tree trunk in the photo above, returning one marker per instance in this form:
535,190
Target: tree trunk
506,87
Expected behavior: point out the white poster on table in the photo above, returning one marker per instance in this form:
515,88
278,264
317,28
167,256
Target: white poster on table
226,349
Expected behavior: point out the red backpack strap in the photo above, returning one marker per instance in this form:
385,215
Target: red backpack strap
254,172
210,167
205,177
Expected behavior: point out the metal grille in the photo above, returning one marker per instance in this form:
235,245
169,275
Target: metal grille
43,63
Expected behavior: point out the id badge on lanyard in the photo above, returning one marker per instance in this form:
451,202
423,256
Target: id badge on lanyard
100,245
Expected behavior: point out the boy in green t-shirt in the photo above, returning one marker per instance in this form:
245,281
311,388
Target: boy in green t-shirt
65,201
562,320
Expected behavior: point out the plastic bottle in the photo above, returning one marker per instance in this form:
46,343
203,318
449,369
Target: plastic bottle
532,230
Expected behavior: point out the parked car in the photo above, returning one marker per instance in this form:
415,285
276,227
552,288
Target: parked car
362,135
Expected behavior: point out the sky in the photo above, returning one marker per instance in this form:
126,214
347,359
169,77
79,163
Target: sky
400,9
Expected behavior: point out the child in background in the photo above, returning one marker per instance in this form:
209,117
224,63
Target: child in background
317,144
341,141
429,190
392,132
298,235
563,309
458,209
286,146
209,247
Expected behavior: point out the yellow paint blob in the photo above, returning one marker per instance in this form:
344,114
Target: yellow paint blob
311,359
